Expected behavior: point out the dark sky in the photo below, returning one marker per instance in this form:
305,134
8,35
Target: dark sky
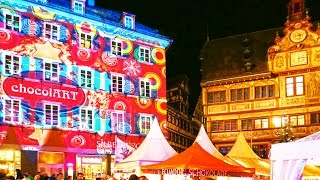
188,22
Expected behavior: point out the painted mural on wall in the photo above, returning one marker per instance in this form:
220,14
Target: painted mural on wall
68,77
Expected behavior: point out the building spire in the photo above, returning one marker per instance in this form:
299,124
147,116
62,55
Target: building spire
296,10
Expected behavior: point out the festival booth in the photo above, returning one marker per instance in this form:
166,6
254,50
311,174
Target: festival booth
205,142
195,161
242,153
288,160
153,149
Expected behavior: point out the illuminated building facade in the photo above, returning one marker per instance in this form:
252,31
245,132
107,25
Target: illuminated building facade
262,85
74,77
182,130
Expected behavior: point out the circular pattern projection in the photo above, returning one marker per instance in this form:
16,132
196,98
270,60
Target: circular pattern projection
143,103
161,106
158,55
109,59
155,77
78,141
163,71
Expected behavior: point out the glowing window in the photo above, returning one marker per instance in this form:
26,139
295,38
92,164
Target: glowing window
294,86
85,40
51,72
117,83
86,118
144,54
145,88
51,115
12,22
128,22
145,123
86,78
78,7
12,111
12,64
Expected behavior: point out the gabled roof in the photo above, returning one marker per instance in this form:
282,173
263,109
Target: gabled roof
205,142
154,149
242,153
195,157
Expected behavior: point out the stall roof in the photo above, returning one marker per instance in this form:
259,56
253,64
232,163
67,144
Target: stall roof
196,158
153,149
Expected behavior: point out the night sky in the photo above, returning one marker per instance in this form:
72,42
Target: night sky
188,22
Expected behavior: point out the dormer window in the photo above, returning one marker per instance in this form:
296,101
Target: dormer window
78,7
128,20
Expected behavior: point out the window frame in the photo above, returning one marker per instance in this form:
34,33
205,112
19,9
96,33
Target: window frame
147,91
142,130
262,119
116,49
117,83
86,118
242,94
84,38
294,85
221,125
126,23
50,71
118,128
76,10
51,31
144,50
12,111
88,82
6,22
297,119
11,70
267,92
51,114
317,118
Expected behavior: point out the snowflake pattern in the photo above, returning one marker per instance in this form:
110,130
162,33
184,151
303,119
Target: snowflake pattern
132,68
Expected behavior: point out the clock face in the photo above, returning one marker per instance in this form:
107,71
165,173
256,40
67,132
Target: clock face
299,58
298,35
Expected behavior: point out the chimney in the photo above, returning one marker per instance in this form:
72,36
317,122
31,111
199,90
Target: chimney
78,6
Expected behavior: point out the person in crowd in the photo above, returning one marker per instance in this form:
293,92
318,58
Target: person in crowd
52,177
133,177
80,176
19,174
143,178
69,178
37,176
60,176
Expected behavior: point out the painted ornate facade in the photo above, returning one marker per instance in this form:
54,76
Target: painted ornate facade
73,79
260,87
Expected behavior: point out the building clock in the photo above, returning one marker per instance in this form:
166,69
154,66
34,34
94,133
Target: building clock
298,58
298,35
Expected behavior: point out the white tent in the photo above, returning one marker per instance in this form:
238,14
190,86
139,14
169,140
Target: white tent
154,149
289,159
205,142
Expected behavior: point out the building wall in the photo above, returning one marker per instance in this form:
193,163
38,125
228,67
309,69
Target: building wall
290,100
73,82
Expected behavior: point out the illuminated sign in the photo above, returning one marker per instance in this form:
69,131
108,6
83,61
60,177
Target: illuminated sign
104,147
91,160
35,90
195,172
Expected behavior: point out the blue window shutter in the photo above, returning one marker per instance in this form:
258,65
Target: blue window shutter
63,34
127,122
39,114
1,111
97,120
154,92
136,124
127,83
107,82
63,116
63,73
39,68
25,26
136,87
96,79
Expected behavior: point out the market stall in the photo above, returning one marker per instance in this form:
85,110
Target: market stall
288,160
153,149
205,142
195,161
